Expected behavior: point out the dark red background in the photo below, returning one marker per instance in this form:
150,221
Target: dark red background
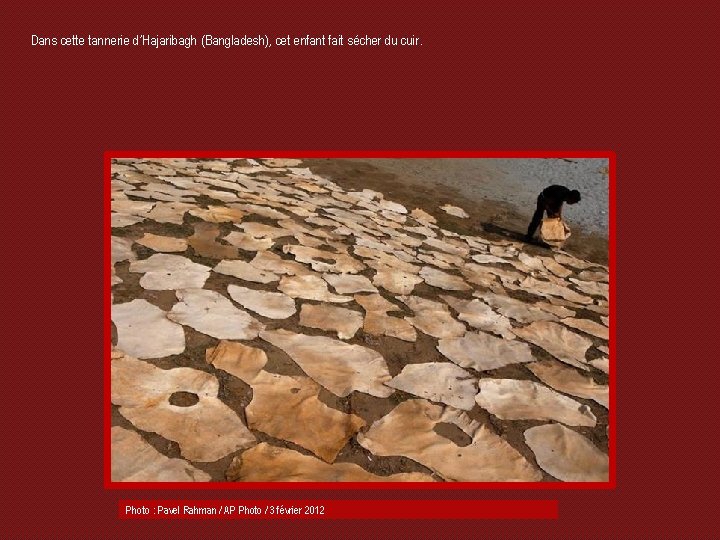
499,75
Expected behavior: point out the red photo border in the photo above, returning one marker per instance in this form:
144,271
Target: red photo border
401,486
